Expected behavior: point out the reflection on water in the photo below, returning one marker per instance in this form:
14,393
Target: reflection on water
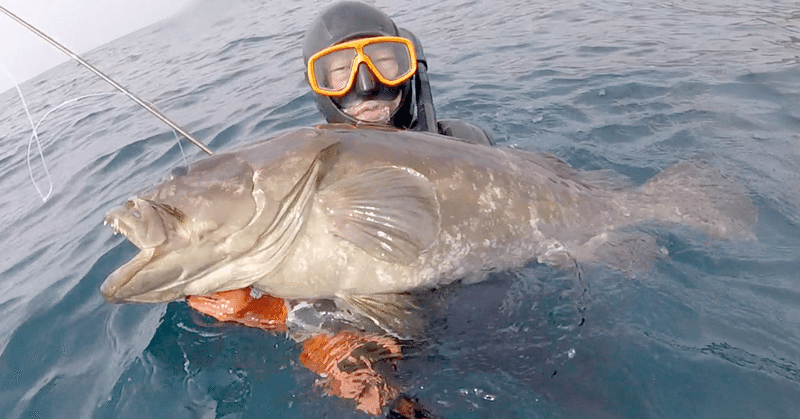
633,87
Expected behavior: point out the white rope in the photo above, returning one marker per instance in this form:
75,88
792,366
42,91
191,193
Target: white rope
35,136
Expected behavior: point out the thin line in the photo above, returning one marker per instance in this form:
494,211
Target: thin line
30,143
116,85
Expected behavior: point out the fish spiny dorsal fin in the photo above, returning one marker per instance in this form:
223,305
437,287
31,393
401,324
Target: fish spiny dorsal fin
390,212
546,160
603,178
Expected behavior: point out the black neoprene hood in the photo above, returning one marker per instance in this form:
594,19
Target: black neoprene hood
344,21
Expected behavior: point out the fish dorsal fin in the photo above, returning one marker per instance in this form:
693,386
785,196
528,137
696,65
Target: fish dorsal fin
546,160
398,314
389,212
602,178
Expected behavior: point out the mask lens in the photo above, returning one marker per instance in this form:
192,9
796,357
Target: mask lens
391,59
334,70
331,71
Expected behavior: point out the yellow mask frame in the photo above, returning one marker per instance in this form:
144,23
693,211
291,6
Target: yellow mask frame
332,71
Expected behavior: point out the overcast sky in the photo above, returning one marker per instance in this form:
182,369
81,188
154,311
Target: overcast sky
80,25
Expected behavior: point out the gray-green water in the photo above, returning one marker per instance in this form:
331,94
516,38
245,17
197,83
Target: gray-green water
711,332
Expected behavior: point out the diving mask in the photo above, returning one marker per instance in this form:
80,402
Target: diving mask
391,59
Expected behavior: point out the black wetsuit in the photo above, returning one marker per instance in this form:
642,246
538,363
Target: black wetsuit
463,131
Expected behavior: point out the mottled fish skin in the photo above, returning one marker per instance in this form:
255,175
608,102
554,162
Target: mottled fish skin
337,211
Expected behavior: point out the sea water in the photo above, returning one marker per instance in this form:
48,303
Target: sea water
712,331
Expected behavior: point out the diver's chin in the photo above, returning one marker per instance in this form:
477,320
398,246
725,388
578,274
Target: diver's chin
375,111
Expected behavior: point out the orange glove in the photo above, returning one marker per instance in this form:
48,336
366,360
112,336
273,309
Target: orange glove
348,361
265,312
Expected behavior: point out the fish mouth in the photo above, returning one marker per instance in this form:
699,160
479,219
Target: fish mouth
114,287
141,223
134,283
119,226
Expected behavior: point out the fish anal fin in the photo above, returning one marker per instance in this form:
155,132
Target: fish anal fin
398,314
390,212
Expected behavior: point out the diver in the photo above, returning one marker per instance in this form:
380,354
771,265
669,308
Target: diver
362,69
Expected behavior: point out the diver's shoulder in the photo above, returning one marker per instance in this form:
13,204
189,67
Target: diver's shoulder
464,131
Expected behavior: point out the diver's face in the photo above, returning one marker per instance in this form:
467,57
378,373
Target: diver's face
368,100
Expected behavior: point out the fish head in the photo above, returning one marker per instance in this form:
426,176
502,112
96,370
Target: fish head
140,221
183,227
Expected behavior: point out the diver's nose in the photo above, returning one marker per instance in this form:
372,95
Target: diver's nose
365,81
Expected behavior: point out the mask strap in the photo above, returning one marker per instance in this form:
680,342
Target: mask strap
426,115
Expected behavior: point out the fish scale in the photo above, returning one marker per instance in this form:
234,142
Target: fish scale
354,213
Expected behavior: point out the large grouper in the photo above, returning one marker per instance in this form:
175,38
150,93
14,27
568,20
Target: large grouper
364,215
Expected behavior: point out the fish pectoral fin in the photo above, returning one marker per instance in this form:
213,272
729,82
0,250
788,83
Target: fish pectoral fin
398,314
390,212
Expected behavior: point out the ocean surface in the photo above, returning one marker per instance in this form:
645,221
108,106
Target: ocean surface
712,331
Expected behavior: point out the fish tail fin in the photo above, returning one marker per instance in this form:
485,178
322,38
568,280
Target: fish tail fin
695,194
